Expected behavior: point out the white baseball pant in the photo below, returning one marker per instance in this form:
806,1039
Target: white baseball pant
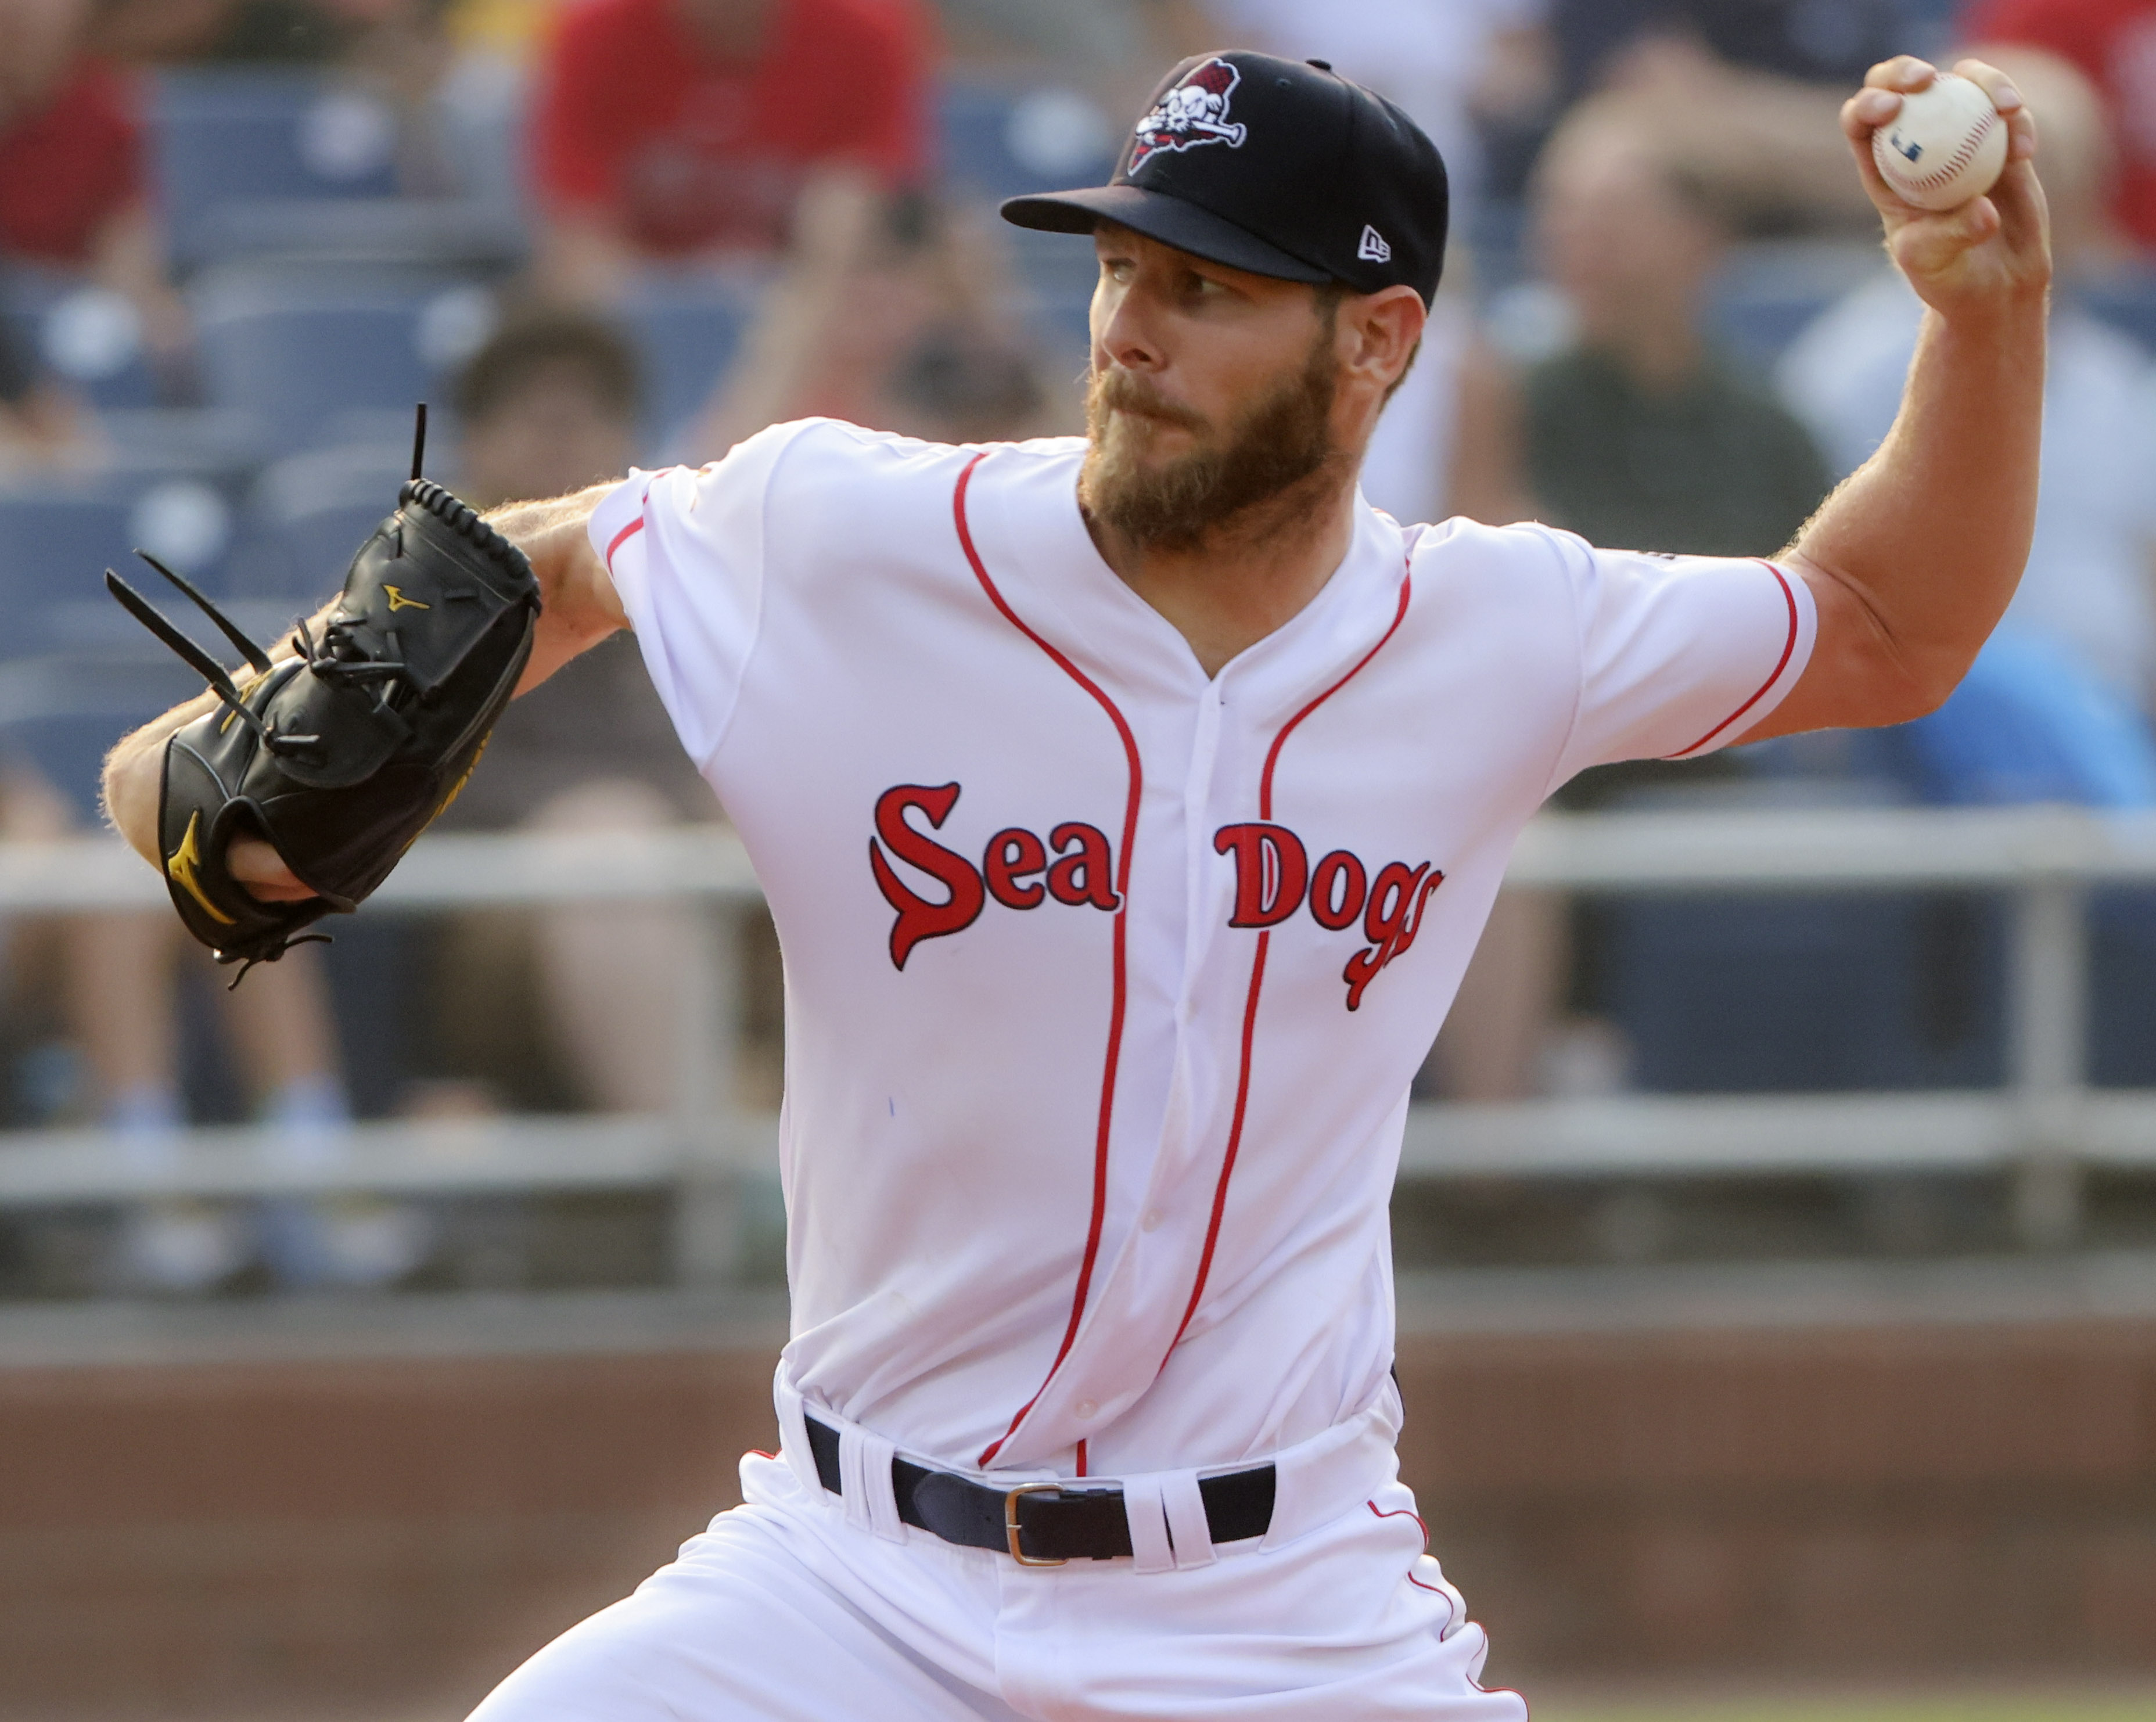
790,1609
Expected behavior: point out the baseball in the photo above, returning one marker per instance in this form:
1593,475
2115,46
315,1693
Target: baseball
1946,145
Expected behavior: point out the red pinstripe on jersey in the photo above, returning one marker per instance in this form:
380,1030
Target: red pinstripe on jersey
1116,1010
1258,977
623,537
1781,664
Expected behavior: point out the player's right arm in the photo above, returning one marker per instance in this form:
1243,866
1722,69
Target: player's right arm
1911,562
581,608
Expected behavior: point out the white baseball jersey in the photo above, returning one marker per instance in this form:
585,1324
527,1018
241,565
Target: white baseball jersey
1106,981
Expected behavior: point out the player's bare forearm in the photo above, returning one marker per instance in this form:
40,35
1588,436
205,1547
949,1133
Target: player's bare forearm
1914,558
581,607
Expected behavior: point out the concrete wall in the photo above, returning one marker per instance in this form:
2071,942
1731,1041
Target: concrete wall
276,1536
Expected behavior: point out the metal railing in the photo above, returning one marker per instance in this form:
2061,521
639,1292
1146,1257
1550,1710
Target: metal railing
2045,1128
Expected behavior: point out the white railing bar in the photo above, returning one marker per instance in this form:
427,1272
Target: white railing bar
1830,849
1750,850
1648,1136
2046,1126
1654,1135
52,1168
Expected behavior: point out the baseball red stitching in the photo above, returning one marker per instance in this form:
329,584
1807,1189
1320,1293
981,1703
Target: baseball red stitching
1954,163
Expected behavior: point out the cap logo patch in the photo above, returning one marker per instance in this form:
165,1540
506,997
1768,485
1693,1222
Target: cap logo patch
1193,112
1373,248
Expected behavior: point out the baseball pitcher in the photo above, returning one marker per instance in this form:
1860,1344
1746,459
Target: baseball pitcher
1129,807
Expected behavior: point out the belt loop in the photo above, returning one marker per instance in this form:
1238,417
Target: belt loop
1187,1526
1317,1479
1147,1512
864,1473
794,1433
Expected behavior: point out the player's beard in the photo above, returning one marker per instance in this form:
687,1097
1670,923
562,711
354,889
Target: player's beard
1279,442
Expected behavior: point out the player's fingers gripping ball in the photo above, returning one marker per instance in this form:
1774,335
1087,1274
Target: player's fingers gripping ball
1946,145
340,758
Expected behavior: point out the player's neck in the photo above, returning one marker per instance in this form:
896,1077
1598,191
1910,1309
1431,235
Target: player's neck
1247,577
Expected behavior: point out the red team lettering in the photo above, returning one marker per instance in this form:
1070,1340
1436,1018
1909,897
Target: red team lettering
918,918
1273,879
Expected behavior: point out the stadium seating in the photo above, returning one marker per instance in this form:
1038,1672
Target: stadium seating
56,541
2121,947
88,336
685,334
2127,303
305,516
61,716
55,547
1799,995
301,356
75,670
1769,290
998,142
225,140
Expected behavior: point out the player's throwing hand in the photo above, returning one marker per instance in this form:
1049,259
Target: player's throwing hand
1988,252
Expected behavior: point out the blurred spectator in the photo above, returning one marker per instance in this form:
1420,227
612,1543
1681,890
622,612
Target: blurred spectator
1816,41
889,316
681,130
123,975
1641,435
509,29
549,405
2052,708
41,424
73,193
1745,92
1447,443
1430,59
2113,42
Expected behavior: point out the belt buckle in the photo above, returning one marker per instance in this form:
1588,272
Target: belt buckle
1011,1525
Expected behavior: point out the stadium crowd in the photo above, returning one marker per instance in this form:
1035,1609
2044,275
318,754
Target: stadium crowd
238,237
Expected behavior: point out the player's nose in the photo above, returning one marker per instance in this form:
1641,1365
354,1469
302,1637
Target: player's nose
1123,334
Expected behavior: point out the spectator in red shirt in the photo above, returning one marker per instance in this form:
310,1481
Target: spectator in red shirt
72,194
2113,42
679,128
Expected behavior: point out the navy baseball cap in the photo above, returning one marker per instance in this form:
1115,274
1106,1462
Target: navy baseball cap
1282,167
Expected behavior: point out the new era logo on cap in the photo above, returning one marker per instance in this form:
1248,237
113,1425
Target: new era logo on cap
1373,248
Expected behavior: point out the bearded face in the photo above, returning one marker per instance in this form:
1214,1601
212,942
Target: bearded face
1172,502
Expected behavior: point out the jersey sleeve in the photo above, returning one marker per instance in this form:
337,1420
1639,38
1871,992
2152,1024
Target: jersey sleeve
1678,655
685,547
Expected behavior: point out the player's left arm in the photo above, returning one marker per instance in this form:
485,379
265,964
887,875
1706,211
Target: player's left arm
1912,561
580,609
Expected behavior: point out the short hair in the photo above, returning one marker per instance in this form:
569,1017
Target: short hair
544,338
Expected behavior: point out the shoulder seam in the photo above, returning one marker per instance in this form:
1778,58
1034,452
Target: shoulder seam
1551,783
763,559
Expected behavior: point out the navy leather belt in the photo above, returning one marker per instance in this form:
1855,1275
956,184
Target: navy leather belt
1044,1524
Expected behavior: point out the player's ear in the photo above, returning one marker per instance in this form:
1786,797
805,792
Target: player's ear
1384,329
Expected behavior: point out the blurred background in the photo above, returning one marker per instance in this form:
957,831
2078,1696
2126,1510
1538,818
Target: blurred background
1777,1234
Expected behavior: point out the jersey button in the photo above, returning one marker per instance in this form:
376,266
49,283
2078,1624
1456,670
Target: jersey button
1152,1221
1085,1408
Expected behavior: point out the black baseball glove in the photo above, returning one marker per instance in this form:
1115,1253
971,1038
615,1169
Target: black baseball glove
341,757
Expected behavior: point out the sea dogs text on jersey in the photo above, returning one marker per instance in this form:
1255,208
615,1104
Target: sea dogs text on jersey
1075,866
